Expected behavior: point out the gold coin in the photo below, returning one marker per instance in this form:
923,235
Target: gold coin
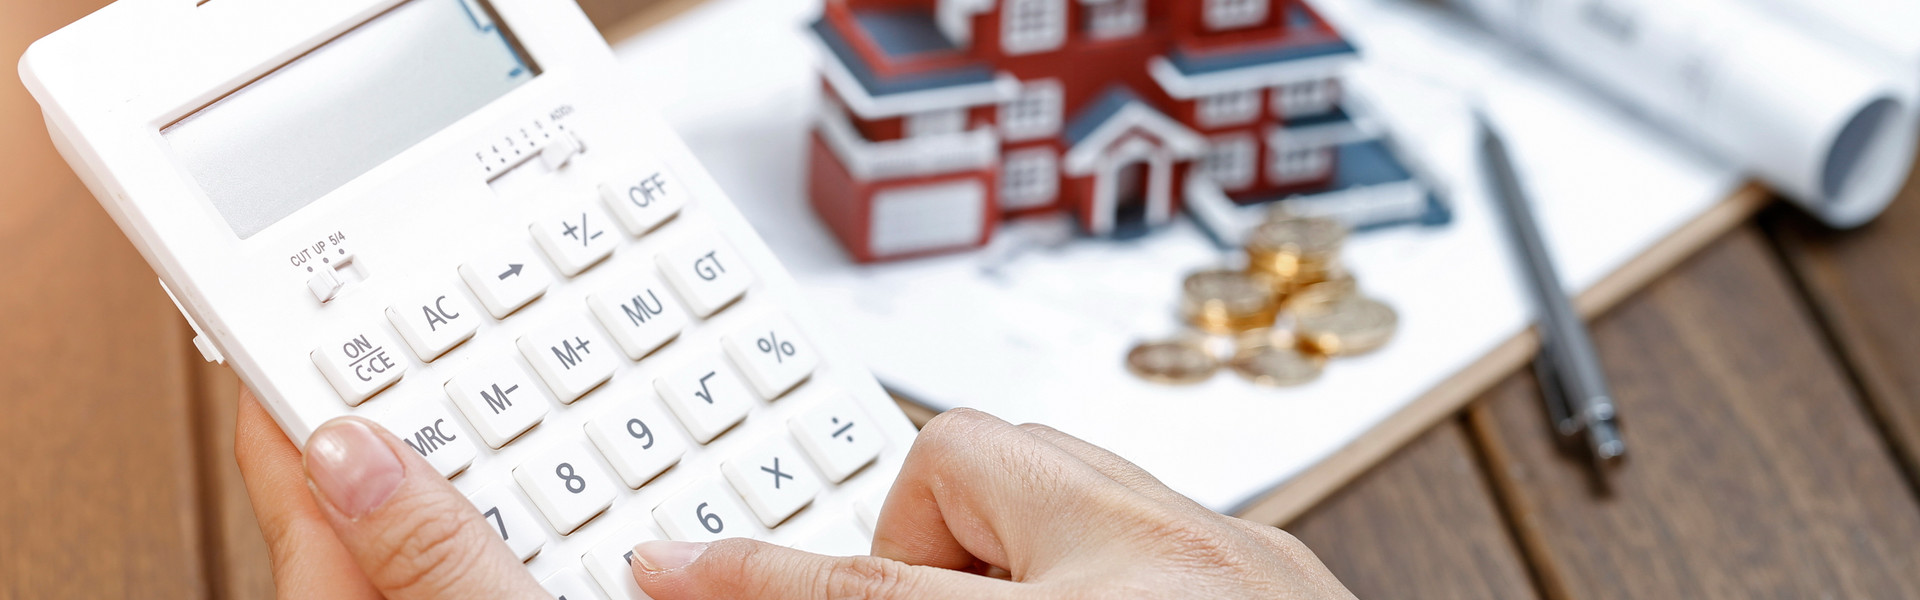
1177,362
1270,358
1225,301
1295,248
1335,323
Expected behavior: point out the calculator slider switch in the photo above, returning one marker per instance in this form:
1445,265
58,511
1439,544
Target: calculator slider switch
644,196
325,284
707,272
561,149
360,363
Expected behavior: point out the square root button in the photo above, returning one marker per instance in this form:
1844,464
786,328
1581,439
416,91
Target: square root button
360,362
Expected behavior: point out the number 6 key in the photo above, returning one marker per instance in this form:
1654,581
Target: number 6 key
568,484
706,511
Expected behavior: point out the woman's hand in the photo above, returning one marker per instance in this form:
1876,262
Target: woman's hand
984,509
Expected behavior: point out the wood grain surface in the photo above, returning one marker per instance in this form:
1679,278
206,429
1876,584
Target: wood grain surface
1421,524
98,488
1752,470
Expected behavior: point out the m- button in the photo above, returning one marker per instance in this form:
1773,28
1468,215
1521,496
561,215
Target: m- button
361,363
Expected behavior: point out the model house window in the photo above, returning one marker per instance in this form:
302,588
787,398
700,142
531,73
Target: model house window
939,122
1231,108
1110,19
1029,178
1229,161
1028,26
1235,14
1293,165
1305,98
1034,113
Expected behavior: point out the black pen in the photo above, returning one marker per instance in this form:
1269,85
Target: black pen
1572,382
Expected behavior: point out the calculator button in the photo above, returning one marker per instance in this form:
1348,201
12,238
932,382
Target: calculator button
425,426
506,515
644,197
360,363
707,397
772,354
568,485
774,478
507,279
839,437
499,397
570,356
708,273
611,560
576,239
637,440
706,511
434,323
571,584
843,536
639,312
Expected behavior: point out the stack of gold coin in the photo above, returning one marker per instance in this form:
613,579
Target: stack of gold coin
1178,362
1222,301
1295,251
1272,357
1336,320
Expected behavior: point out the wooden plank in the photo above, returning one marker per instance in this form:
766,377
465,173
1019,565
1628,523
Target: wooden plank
1421,524
622,19
1446,399
1752,470
238,552
1865,287
99,496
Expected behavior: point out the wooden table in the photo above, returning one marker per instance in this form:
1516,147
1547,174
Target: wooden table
1770,388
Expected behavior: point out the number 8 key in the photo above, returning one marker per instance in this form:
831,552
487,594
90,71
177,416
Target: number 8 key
568,484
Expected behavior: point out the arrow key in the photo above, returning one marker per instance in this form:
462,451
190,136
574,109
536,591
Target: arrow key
507,278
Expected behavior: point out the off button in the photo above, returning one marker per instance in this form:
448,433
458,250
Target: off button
361,363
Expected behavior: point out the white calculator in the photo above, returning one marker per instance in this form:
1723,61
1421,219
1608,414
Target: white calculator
455,218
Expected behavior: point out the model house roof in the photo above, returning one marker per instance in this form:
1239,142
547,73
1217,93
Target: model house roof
905,39
1117,111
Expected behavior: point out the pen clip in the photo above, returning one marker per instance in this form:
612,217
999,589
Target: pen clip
1559,410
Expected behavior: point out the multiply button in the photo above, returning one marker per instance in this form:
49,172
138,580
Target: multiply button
576,239
707,272
644,197
775,480
773,355
839,437
360,364
506,279
434,322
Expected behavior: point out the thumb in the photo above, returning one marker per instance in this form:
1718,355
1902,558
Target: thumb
743,568
413,535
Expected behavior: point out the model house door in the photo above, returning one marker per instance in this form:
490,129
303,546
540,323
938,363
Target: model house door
1132,184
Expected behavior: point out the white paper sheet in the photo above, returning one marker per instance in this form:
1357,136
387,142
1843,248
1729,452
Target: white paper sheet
1042,337
1832,129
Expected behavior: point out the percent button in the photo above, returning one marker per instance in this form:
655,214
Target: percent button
772,354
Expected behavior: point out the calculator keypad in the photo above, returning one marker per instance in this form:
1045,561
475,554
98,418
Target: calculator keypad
576,239
570,356
509,517
707,396
637,440
772,354
640,313
435,322
707,510
568,484
499,397
644,197
361,363
708,273
507,278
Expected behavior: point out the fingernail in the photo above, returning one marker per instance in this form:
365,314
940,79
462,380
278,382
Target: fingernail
352,467
661,555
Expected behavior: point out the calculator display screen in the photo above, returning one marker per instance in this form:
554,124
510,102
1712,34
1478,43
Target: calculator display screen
313,124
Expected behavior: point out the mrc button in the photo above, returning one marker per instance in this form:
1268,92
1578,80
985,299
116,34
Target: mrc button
360,363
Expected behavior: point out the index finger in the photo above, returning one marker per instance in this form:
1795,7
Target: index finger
308,559
976,489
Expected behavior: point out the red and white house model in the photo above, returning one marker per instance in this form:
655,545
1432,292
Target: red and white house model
942,117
